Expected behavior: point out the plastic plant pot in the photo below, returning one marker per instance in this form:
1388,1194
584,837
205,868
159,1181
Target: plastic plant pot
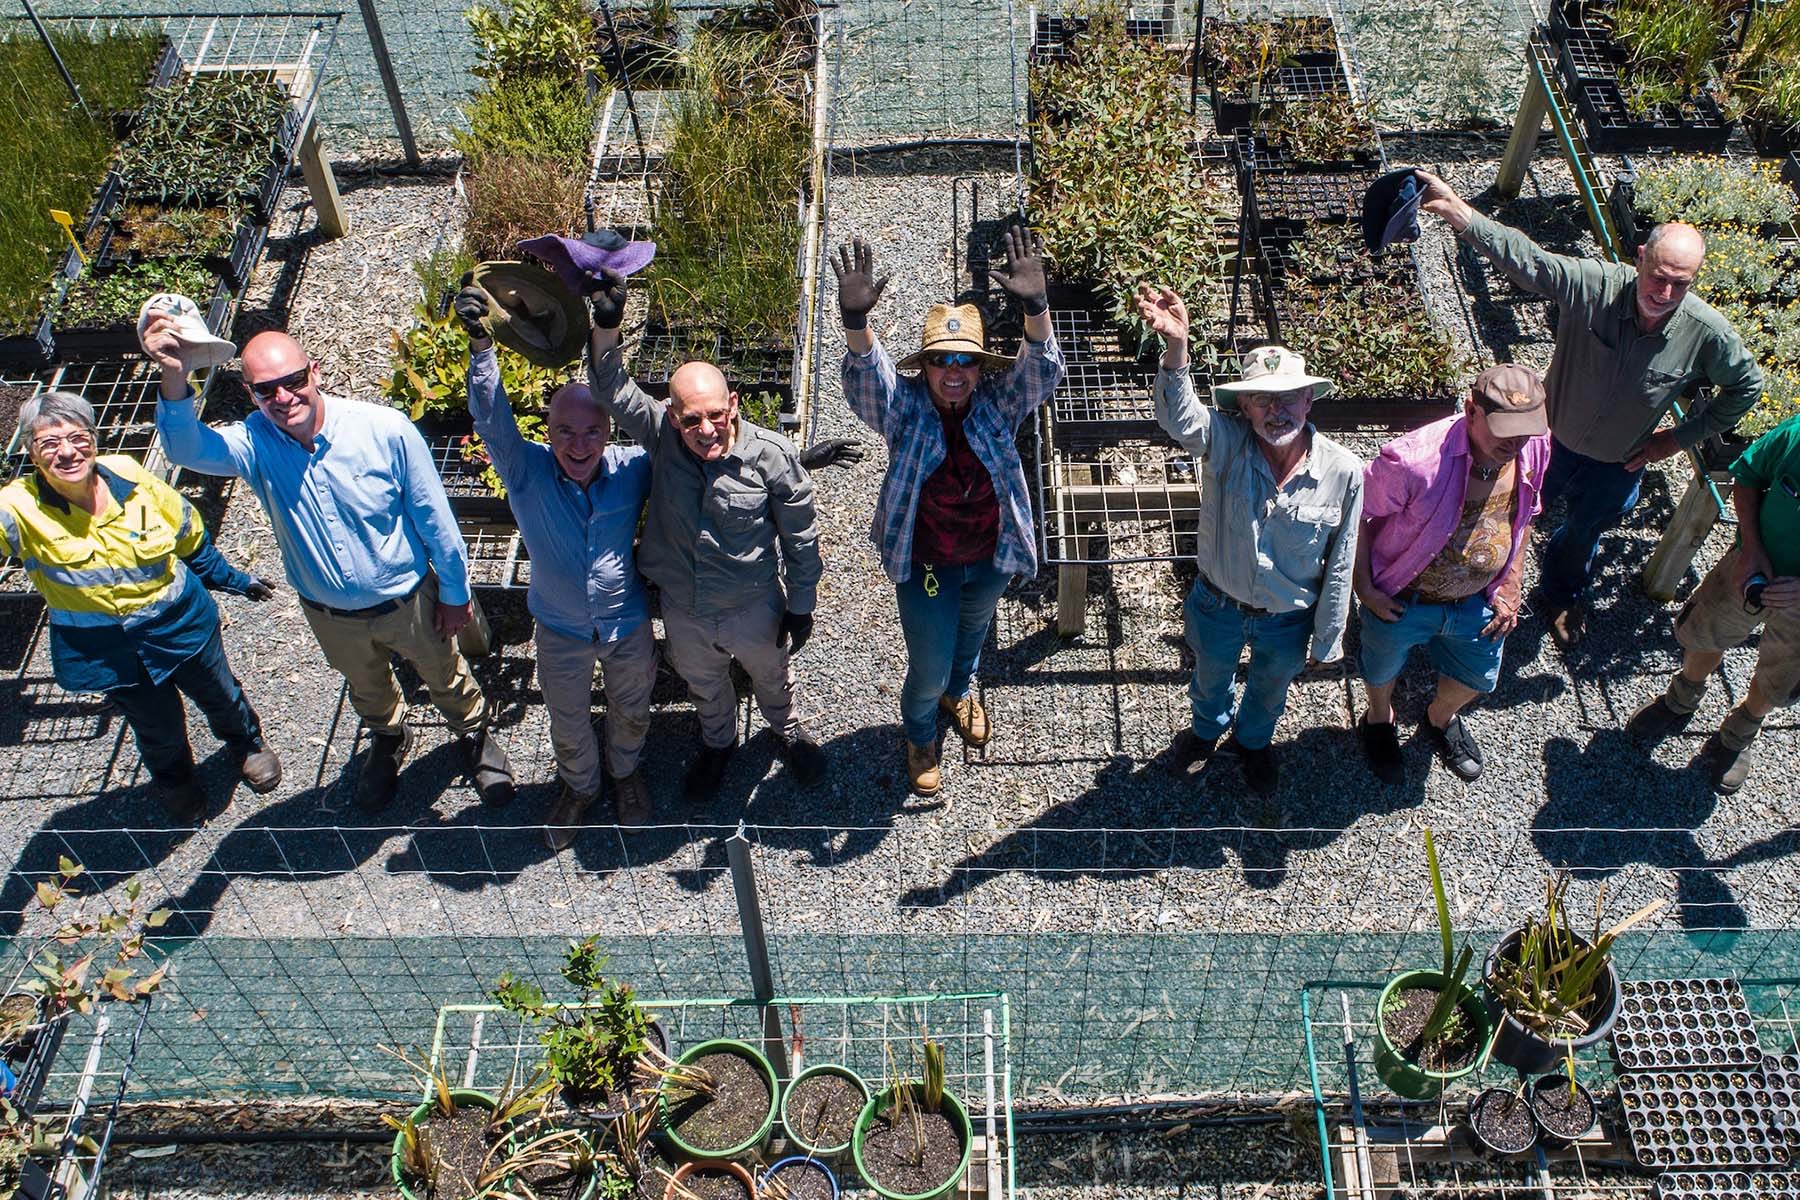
959,1120
519,1139
461,1097
1407,1078
1487,1097
595,1114
799,1162
797,1136
755,1141
737,1170
1554,1138
1529,1052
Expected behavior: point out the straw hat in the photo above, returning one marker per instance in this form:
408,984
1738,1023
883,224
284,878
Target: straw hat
950,329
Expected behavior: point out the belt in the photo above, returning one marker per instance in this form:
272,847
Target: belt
1247,609
1415,596
364,614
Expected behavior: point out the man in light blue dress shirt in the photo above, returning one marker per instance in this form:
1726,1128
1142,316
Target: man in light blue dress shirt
367,540
577,501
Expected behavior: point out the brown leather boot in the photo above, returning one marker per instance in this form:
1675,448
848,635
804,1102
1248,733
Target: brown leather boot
922,769
970,719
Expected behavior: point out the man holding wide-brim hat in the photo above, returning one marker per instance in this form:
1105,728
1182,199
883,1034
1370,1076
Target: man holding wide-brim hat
953,523
1279,505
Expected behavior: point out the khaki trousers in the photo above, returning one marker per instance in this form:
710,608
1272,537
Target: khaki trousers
565,670
701,649
361,649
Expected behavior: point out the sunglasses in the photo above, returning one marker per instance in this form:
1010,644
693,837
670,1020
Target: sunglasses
951,359
291,382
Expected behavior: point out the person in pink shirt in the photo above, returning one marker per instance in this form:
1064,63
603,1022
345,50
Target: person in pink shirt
1440,561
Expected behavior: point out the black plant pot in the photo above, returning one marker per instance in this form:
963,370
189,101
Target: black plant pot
1529,1052
1543,1087
1518,1138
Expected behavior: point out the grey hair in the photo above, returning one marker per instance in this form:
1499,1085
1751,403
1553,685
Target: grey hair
53,406
1661,230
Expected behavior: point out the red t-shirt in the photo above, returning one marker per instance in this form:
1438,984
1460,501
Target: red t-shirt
958,519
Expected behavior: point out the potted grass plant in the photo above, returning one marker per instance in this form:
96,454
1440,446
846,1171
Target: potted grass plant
1553,991
717,1099
913,1140
1430,1026
458,1144
820,1107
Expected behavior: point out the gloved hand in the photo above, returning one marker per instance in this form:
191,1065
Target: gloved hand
796,631
832,452
858,289
608,300
470,305
260,589
1023,277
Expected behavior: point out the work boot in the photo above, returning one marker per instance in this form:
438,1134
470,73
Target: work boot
1656,721
563,821
922,769
1568,625
182,799
1726,768
491,770
1456,746
1188,751
708,770
800,751
631,799
379,778
259,766
1381,746
1261,771
970,719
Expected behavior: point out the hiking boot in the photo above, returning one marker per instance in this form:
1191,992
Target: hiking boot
922,769
970,719
800,751
1568,625
1726,768
1381,746
260,768
1188,751
1261,771
703,777
1656,721
631,799
379,779
1456,746
489,767
564,819
182,799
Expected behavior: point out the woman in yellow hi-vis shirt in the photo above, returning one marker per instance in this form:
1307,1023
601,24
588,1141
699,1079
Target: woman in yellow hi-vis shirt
123,563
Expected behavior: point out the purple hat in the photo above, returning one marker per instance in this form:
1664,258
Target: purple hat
579,261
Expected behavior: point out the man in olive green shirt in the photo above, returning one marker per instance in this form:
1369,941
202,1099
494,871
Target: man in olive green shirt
1629,342
1757,583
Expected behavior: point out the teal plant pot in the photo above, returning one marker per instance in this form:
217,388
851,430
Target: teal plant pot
461,1097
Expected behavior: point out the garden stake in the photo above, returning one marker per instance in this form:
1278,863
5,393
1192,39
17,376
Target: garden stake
68,227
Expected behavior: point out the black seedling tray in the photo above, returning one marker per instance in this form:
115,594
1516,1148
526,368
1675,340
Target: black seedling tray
233,265
1330,197
1673,1024
1610,129
94,343
1702,1119
1585,60
1052,37
1783,1074
1728,1185
1575,17
1313,76
1772,141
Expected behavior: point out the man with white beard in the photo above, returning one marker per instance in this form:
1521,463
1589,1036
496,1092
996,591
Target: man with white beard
1279,509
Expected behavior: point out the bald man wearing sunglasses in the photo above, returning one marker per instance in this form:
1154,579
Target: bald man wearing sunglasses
367,540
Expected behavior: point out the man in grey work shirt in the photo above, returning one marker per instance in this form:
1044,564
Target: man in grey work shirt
1629,343
731,539
1279,507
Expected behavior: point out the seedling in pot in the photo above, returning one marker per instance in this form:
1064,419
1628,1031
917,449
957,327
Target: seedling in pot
681,1082
1445,1024
592,1046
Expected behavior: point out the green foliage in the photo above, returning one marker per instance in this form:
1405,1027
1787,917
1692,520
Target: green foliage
1673,48
89,959
1708,191
551,38
1239,55
591,1046
204,138
517,196
1118,193
1780,401
1322,128
537,116
51,154
151,231
430,376
114,298
474,450
440,273
1445,1022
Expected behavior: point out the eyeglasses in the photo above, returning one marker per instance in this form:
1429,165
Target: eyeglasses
291,382
1263,401
693,421
74,441
951,359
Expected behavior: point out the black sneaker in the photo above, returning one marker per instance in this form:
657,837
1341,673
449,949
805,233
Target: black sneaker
1456,746
379,780
1656,721
1188,751
800,751
182,799
703,777
1381,746
1261,771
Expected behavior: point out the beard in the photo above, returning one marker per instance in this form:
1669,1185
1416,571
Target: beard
1283,437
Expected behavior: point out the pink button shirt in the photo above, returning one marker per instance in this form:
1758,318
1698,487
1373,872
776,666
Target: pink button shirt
1413,497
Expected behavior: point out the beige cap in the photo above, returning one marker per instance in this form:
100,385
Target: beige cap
1512,396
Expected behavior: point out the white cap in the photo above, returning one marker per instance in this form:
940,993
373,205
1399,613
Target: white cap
200,347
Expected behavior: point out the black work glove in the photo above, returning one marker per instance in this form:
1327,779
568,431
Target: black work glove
832,452
796,631
858,289
607,300
471,305
1023,277
259,589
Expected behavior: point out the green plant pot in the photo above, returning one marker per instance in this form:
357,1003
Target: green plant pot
459,1097
794,1136
952,1109
1408,1078
754,1141
517,1141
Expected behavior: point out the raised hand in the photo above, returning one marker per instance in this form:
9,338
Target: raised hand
832,452
858,289
607,300
1164,311
1023,277
472,306
161,344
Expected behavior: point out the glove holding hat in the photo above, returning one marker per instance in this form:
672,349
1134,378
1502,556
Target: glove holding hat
170,325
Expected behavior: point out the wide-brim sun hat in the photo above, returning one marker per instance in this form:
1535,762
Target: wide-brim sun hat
953,329
1271,369
533,312
579,262
201,348
1390,210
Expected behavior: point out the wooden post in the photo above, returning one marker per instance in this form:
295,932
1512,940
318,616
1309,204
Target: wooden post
1674,553
1534,106
334,222
1071,578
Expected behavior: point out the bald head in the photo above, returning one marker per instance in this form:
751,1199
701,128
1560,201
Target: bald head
1676,241
572,399
1668,264
704,409
275,351
285,385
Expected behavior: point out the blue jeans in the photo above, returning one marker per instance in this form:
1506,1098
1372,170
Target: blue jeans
944,635
1599,494
1218,632
1451,633
159,719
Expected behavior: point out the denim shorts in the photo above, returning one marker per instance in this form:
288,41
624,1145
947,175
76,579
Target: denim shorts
1453,632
